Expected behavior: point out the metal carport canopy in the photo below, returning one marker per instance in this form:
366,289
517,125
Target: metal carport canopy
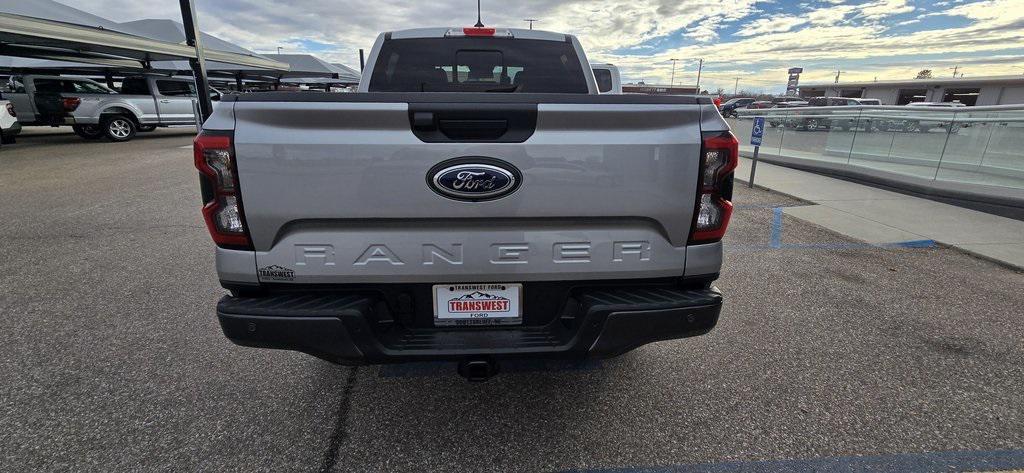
37,38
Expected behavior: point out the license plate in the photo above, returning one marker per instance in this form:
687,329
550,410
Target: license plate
478,304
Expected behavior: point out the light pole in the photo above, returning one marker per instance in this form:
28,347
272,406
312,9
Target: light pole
736,88
673,81
700,66
279,50
531,20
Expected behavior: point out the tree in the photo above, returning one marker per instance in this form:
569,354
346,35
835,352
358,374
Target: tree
924,74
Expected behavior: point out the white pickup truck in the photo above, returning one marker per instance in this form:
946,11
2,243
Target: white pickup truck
97,111
477,200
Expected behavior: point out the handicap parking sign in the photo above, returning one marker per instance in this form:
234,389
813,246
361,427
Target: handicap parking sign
757,132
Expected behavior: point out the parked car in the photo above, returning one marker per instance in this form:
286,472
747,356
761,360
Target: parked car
374,233
778,120
863,101
728,109
791,104
760,104
917,125
10,127
815,120
608,77
39,99
787,99
144,103
96,111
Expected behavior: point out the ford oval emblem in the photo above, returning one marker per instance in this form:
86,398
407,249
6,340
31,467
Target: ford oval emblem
474,179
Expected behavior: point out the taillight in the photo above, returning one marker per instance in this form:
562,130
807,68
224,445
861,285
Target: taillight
479,31
11,111
719,157
222,203
71,103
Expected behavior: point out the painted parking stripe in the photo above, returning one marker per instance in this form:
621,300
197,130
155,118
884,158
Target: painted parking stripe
775,241
928,462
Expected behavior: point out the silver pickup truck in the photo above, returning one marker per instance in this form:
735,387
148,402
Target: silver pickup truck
477,200
97,111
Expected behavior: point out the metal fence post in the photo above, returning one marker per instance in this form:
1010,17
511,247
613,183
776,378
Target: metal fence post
942,154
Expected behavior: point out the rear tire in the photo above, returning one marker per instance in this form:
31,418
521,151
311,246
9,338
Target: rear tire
119,128
6,139
88,132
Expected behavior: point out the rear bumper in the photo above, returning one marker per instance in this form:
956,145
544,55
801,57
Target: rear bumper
14,130
348,328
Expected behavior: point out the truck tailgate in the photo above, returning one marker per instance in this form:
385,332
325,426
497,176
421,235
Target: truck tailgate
338,192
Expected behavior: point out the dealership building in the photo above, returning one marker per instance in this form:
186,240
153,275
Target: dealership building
992,90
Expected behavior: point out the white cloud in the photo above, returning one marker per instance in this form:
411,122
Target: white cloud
884,8
776,24
823,32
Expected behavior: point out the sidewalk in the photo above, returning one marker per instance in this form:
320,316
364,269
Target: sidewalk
879,217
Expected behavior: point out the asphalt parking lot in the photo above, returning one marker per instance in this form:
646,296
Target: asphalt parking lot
830,354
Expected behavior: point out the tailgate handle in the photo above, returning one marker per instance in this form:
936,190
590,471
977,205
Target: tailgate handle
423,120
473,129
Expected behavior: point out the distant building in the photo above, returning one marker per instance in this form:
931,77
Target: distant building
642,88
992,90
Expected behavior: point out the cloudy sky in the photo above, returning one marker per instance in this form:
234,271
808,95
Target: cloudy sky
754,40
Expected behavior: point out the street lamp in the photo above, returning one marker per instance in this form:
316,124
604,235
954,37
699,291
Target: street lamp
673,81
531,20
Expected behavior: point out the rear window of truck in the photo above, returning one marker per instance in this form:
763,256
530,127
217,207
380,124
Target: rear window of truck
477,65
604,80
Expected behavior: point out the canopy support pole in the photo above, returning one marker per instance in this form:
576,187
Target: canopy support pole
190,21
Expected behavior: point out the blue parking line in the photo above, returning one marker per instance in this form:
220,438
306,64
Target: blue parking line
928,462
764,206
777,244
915,244
776,241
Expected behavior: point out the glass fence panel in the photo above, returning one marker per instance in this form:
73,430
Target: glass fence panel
741,127
821,135
908,142
985,148
946,144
